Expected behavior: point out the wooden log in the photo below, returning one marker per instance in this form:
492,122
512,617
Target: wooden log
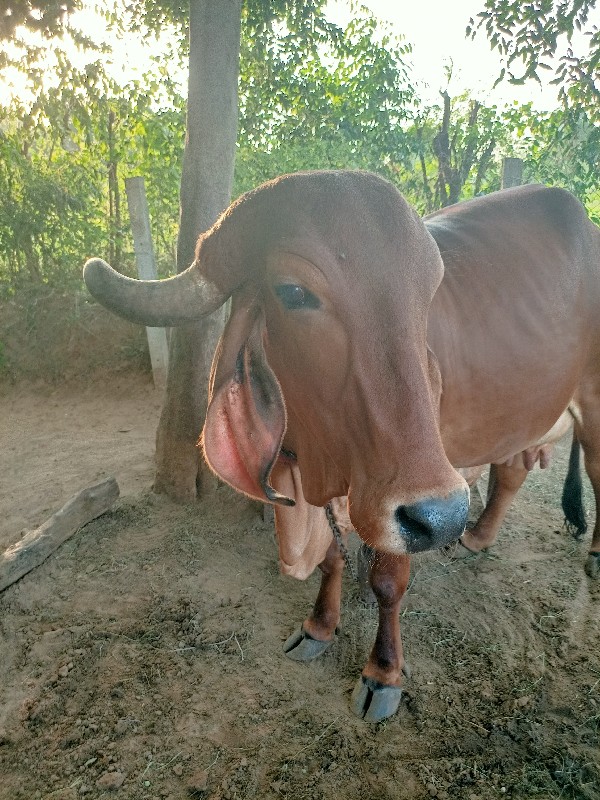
37,545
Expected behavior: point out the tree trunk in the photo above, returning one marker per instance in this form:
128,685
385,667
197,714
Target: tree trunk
206,183
114,197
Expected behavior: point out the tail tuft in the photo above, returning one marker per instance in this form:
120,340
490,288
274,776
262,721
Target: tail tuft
572,496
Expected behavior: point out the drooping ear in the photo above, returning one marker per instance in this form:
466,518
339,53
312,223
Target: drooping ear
246,417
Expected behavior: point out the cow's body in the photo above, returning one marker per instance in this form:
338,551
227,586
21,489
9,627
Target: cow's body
382,353
512,320
505,480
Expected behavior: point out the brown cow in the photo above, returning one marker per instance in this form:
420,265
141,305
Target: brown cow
382,352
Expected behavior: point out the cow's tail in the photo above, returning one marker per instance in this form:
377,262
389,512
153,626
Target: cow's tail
572,496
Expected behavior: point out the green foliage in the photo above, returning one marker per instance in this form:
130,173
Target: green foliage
260,15
54,178
41,191
456,151
530,35
44,16
30,30
314,95
560,148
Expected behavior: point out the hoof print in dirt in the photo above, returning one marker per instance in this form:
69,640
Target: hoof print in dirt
300,646
373,701
592,566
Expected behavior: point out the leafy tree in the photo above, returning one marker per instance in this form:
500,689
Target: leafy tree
311,102
530,35
31,34
455,149
560,148
462,148
61,173
43,221
556,36
48,17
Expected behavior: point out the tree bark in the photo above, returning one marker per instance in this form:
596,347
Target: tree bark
441,148
206,182
114,197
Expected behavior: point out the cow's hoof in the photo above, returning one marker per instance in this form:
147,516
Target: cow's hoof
592,565
458,550
302,647
373,701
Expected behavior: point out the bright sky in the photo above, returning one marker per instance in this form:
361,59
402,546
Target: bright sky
436,29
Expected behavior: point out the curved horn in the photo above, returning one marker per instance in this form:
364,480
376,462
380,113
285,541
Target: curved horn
158,304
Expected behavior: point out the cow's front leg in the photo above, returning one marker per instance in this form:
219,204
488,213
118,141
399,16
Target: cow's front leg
377,693
318,630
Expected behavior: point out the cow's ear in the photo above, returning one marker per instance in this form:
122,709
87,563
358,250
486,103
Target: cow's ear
246,417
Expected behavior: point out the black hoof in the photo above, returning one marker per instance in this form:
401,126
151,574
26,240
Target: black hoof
373,701
458,551
592,565
302,647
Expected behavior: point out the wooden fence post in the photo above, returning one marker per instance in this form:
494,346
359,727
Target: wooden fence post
146,266
512,172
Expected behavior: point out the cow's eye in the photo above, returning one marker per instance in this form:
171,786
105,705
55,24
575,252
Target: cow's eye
294,297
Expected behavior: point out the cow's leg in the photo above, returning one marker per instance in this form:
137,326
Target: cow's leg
587,429
318,630
505,482
377,693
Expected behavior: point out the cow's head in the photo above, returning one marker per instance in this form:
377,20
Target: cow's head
325,354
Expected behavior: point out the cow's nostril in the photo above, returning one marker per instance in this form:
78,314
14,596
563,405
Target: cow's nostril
433,522
407,523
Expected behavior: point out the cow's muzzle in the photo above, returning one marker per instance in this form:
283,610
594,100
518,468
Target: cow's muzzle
434,522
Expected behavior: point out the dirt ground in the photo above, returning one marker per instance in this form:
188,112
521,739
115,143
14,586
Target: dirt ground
143,659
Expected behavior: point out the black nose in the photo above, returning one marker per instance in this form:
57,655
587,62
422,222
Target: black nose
434,522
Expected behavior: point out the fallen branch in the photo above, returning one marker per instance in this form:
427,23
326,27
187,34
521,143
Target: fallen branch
35,547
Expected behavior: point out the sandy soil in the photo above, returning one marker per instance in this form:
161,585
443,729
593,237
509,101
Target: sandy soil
143,659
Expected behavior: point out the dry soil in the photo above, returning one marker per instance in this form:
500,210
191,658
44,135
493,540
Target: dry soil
143,660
